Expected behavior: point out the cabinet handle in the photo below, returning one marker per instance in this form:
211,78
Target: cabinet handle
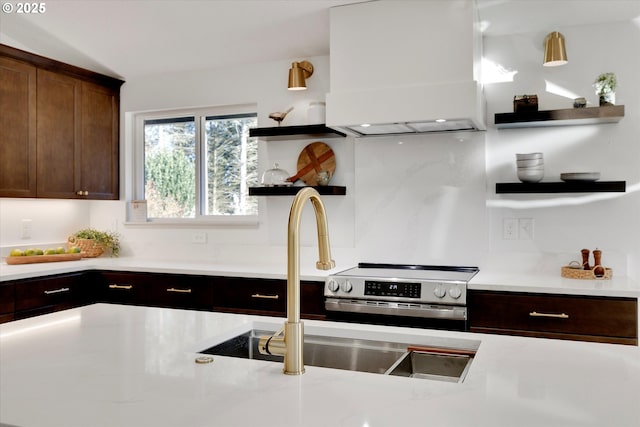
82,193
181,291
114,286
265,296
56,291
555,316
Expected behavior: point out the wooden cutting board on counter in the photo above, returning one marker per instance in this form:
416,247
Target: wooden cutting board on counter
16,260
314,158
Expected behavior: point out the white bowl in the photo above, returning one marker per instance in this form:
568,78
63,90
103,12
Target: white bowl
530,162
528,156
531,168
530,176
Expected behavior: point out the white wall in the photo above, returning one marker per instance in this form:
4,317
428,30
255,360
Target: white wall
430,199
51,221
564,224
415,199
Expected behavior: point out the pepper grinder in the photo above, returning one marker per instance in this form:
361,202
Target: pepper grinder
598,269
585,259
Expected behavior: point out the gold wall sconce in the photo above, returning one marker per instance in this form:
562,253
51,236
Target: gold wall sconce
298,75
555,53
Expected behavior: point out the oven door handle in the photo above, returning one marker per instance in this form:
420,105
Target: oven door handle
397,309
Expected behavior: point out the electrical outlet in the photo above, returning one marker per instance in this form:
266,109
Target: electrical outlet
510,228
26,228
199,238
525,228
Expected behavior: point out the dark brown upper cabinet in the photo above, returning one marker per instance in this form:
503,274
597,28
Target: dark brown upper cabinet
63,138
17,128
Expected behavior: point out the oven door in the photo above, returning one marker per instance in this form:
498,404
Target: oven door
431,316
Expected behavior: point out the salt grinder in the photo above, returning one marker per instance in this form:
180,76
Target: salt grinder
585,259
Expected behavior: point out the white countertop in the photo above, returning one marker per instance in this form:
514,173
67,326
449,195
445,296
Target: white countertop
618,286
249,269
112,365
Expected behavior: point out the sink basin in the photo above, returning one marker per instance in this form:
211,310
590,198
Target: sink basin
362,355
432,366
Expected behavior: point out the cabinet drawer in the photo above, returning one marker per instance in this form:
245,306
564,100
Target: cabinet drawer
561,315
177,291
50,294
267,297
121,288
7,299
260,296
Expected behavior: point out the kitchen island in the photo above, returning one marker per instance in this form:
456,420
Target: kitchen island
112,365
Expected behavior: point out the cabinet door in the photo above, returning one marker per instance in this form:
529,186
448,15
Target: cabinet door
266,297
17,129
59,131
98,160
49,294
7,302
587,318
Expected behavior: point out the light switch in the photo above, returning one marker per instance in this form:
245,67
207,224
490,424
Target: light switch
26,229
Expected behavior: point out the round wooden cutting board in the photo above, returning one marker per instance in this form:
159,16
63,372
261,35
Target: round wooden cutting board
314,158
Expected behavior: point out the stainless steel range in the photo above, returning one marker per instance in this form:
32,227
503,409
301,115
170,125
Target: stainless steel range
400,294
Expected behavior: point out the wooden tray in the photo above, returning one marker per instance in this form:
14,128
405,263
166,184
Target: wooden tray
577,273
14,260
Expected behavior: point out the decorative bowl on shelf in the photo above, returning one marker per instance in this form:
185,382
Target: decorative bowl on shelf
528,163
528,156
580,176
530,167
533,175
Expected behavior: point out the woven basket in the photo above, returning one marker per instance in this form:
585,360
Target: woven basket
578,273
89,248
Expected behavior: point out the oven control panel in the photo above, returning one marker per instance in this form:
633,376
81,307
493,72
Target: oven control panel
396,290
392,289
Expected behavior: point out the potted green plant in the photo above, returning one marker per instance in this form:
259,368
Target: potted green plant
605,86
93,243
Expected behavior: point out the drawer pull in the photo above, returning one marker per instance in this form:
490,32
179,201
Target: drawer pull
181,291
114,286
555,316
265,296
56,291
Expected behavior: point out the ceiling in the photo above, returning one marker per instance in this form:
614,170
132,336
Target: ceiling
132,38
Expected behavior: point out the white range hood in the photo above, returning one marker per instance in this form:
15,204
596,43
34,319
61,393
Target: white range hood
401,67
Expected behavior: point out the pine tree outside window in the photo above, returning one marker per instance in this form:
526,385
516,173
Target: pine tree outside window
197,166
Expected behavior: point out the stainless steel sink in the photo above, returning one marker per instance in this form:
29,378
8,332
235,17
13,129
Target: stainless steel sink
432,366
380,357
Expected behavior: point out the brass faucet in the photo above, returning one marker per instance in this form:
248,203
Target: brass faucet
290,345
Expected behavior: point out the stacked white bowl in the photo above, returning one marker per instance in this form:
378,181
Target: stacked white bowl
530,167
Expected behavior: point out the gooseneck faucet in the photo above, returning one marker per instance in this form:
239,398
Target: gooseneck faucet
290,345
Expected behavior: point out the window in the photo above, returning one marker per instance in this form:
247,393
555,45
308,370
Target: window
198,165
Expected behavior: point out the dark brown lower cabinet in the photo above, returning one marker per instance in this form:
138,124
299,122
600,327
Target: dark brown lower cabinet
193,292
573,317
43,295
7,302
156,290
267,297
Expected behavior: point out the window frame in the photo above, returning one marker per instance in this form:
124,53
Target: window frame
200,117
